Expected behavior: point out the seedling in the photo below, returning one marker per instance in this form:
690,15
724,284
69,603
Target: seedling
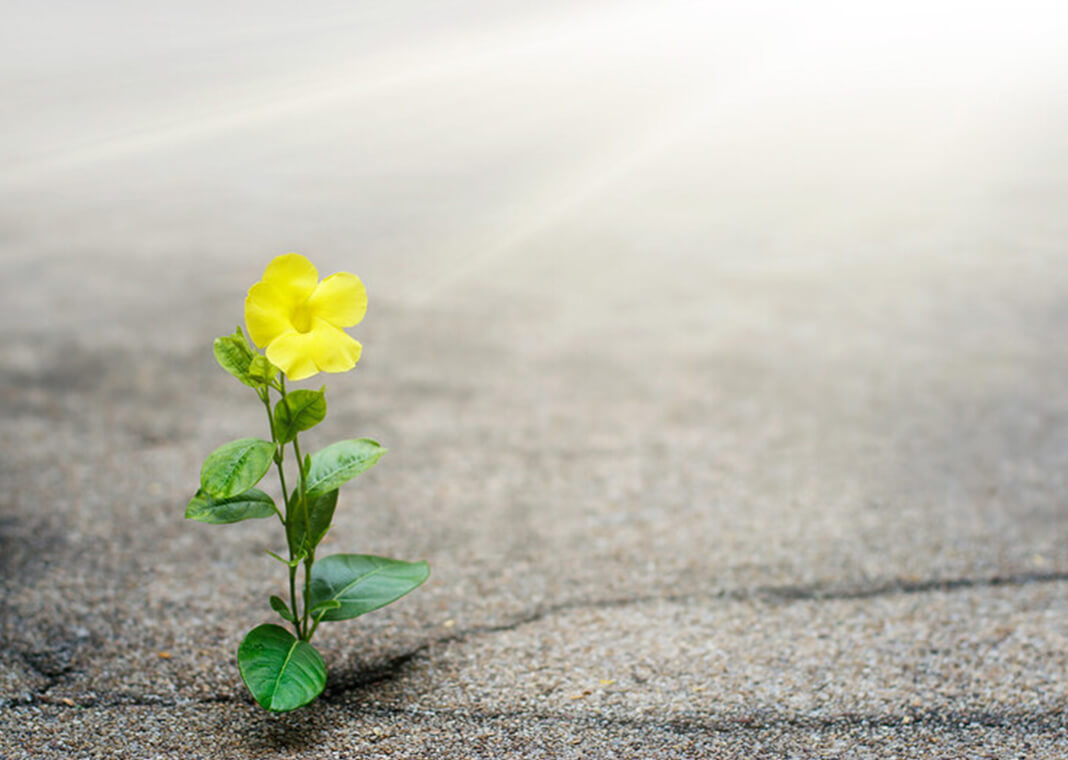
299,322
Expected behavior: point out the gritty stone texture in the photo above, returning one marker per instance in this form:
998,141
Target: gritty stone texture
752,445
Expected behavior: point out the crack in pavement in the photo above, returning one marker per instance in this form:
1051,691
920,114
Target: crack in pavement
339,686
51,665
768,594
898,586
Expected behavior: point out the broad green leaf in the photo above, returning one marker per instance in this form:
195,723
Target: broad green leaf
320,514
235,467
340,462
278,605
235,355
362,583
299,410
282,672
249,505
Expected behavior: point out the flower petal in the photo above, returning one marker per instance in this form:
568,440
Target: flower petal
340,299
324,348
267,313
290,353
331,349
293,275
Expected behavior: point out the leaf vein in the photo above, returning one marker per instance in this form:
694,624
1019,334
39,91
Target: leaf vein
360,579
282,670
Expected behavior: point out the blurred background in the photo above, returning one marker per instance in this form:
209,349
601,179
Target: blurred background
769,252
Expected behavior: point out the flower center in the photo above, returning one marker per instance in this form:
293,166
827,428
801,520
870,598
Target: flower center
301,318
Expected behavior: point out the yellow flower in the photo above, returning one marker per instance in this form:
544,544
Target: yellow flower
299,319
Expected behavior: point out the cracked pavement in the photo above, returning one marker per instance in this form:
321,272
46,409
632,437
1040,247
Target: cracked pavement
725,441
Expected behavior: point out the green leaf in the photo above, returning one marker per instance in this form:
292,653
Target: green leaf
340,462
299,410
235,356
362,583
282,672
235,467
320,514
249,505
278,605
261,370
296,520
295,562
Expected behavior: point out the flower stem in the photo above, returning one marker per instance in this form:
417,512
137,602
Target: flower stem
318,620
265,397
309,558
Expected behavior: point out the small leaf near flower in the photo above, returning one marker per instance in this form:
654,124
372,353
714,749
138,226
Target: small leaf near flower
261,370
234,355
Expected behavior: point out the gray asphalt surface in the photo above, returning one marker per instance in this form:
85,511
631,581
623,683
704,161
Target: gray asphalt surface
725,395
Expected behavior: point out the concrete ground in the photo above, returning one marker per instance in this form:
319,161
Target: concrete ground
727,398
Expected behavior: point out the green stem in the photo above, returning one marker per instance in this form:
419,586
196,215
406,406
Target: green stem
293,597
318,620
265,397
302,619
309,559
